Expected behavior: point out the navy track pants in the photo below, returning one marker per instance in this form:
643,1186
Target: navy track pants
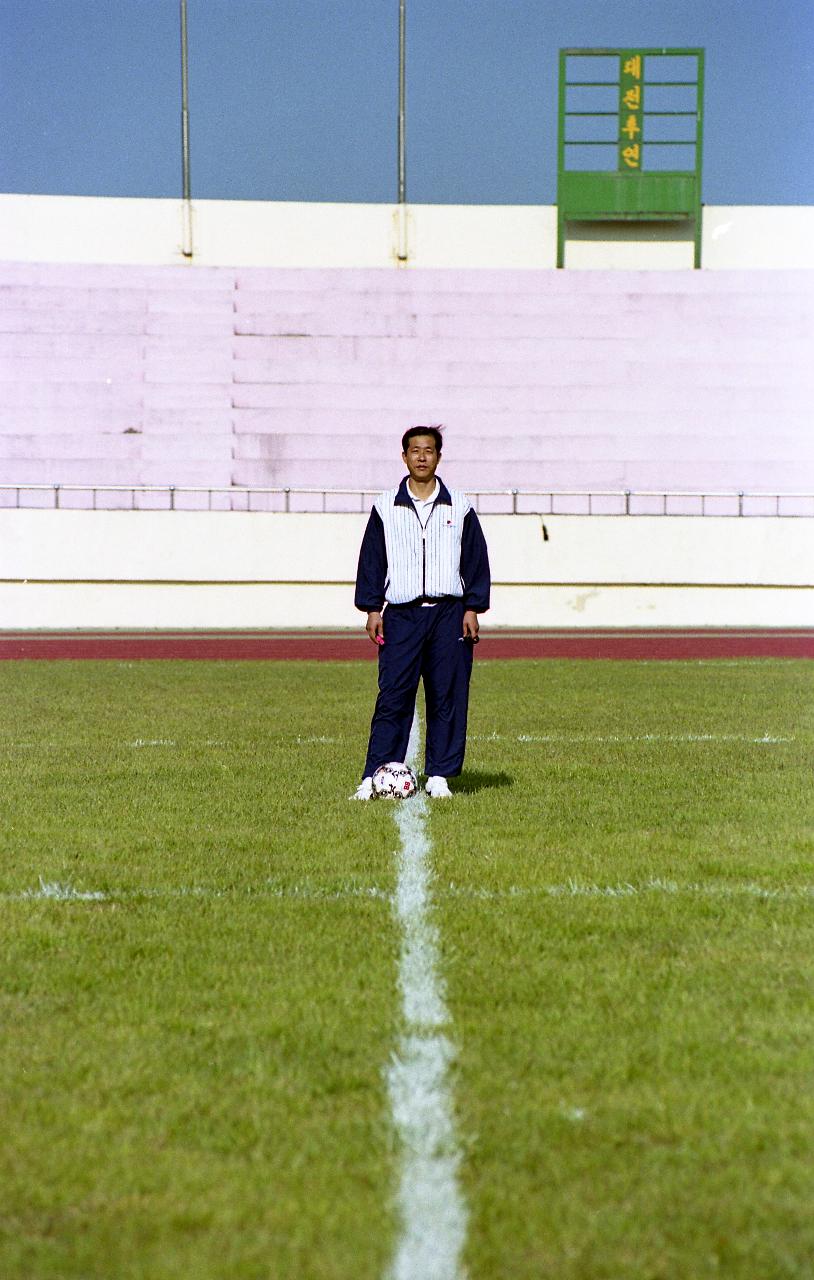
422,643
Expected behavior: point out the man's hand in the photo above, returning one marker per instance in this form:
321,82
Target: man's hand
471,626
375,627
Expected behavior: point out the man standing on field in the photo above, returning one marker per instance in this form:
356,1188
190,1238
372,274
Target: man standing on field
422,580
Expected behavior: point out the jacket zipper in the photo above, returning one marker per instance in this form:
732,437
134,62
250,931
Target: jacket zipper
424,546
423,562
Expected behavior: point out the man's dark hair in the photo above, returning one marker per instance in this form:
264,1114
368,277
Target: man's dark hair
435,432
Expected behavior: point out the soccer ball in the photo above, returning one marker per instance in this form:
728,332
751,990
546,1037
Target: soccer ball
394,781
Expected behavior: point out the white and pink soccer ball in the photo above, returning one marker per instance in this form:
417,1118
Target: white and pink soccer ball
394,781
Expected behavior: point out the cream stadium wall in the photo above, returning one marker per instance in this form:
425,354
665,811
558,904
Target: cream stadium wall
244,233
81,569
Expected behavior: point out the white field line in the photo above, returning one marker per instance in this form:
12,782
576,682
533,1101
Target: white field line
53,891
627,737
431,1206
63,891
668,888
56,891
323,740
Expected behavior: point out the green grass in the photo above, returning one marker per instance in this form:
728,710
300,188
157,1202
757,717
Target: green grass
192,1063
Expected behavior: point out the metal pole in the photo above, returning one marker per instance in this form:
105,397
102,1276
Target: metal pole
401,248
402,174
186,247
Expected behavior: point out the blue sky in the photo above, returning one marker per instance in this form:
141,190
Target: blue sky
296,99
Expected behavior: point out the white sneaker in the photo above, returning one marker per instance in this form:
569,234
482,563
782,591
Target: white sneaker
437,788
364,791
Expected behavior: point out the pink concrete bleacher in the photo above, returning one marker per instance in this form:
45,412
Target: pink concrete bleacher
113,375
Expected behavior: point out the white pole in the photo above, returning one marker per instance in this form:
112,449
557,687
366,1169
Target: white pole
402,249
186,243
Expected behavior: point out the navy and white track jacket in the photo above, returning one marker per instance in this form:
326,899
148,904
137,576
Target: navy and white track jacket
401,562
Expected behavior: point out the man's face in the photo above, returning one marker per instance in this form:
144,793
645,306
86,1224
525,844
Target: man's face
421,458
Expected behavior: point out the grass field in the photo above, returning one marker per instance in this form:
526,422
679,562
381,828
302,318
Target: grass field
200,994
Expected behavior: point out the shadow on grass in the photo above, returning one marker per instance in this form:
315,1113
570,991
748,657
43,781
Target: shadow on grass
480,780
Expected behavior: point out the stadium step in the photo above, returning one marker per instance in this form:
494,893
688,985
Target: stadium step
666,326
632,379
578,474
426,405
545,371
532,449
106,471
98,446
428,353
386,425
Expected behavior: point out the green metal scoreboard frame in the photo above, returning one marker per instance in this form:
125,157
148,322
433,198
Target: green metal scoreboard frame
630,134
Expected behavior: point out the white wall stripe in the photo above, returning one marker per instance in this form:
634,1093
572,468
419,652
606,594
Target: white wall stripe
431,1206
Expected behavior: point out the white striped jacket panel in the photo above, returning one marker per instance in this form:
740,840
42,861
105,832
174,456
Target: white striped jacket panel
422,561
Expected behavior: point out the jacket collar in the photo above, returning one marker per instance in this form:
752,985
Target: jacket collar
403,499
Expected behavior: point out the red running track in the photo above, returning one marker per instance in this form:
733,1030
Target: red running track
354,645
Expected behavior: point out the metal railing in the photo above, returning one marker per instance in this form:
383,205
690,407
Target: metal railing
628,502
